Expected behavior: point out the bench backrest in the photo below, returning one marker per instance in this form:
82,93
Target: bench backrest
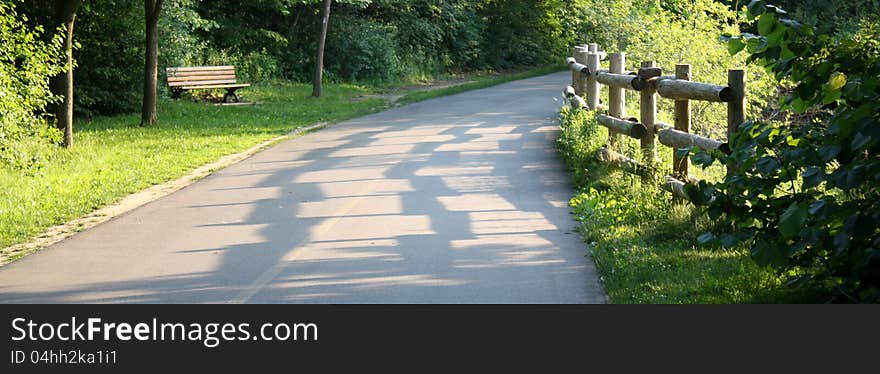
200,75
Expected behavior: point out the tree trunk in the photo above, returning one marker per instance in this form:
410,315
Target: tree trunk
318,84
152,10
62,84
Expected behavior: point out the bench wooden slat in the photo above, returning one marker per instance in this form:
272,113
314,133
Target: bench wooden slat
237,85
201,73
199,68
201,83
202,78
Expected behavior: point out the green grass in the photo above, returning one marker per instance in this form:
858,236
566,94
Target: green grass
479,81
113,156
644,244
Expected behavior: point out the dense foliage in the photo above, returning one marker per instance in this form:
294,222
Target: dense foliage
381,41
26,63
804,194
371,41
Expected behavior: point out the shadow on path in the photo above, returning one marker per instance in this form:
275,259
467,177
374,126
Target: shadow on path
454,200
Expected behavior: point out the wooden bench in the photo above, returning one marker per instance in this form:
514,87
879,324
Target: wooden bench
204,77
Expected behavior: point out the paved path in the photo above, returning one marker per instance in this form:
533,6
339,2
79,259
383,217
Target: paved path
460,199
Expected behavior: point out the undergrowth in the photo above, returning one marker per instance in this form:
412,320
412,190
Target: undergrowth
644,243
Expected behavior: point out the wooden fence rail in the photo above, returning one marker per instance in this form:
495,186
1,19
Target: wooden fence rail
650,82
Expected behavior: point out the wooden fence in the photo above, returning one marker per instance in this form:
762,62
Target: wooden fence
650,82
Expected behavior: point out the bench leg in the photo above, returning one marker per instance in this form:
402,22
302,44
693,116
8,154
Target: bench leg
175,93
231,95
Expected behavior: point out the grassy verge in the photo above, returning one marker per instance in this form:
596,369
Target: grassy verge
113,157
479,81
644,244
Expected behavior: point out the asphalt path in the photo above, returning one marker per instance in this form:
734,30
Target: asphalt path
459,199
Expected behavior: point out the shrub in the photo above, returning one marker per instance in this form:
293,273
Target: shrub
362,50
26,63
805,194
579,139
249,67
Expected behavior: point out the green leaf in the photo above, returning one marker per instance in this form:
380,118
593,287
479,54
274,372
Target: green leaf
836,81
791,221
682,152
767,23
730,240
813,176
702,159
735,45
756,45
847,178
830,97
768,166
766,252
817,206
791,23
756,8
775,37
841,241
799,105
776,10
859,141
786,54
706,237
829,152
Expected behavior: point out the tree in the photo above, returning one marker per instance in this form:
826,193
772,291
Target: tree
317,85
152,9
62,84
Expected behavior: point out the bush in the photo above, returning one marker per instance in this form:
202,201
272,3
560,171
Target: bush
110,76
26,64
579,139
523,33
804,196
249,67
362,50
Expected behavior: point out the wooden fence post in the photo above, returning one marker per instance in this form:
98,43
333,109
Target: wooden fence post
736,107
648,116
574,73
682,116
616,96
592,86
576,76
581,56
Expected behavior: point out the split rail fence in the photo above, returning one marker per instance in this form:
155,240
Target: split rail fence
650,82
